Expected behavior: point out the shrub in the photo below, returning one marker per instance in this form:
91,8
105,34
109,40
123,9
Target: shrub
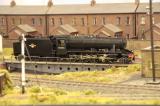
60,92
35,89
90,92
7,79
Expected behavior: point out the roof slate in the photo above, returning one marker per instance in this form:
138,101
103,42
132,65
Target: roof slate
26,28
87,9
37,10
113,28
69,28
143,7
157,25
78,9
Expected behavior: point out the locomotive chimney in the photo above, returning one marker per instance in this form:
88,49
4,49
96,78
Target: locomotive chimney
93,3
13,3
50,3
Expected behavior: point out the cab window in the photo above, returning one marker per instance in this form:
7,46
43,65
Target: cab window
61,43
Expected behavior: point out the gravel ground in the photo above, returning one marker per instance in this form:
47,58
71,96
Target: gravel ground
137,79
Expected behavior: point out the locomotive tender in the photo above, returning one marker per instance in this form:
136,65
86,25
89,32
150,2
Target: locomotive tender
76,49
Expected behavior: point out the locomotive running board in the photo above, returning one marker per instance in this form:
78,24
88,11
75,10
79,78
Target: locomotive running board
59,67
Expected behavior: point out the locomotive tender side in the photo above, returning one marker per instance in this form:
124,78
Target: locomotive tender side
82,48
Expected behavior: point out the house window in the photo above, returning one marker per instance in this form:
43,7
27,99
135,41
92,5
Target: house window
143,34
74,21
128,36
94,21
33,21
153,20
20,21
82,19
60,21
2,21
40,21
128,21
52,21
13,21
103,21
118,20
143,20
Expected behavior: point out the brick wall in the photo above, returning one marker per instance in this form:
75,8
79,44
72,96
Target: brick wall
87,28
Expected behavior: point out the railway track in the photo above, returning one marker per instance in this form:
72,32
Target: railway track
118,91
122,87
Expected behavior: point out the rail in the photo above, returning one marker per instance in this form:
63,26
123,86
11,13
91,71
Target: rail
122,91
49,82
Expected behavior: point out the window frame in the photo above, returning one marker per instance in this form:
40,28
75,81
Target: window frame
94,20
118,21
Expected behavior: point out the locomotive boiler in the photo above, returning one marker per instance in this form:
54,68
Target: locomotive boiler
76,49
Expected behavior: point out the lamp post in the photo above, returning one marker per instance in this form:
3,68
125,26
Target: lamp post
1,44
23,63
152,39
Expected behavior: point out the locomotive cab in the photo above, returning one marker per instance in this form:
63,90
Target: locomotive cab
61,47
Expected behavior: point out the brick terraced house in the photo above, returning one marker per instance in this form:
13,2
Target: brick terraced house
129,20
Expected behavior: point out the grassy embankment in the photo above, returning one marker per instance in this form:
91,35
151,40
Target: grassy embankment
45,95
37,95
112,75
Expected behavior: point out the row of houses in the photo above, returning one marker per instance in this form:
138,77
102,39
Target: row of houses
129,20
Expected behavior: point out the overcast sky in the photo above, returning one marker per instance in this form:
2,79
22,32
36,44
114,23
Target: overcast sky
44,2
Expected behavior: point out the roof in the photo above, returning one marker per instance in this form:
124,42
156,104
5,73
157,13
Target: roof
37,10
155,31
113,28
78,9
157,25
69,28
106,33
26,28
87,9
143,7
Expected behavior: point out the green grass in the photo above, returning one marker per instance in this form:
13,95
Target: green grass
45,95
112,75
7,54
59,96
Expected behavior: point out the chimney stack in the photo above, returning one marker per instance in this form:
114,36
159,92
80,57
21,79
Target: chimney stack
50,3
137,2
93,3
13,3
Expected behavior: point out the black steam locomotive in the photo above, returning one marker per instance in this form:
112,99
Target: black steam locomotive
76,49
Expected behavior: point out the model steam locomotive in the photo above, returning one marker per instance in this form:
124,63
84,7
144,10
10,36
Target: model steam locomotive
75,49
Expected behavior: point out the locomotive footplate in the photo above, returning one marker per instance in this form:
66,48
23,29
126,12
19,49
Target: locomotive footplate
59,67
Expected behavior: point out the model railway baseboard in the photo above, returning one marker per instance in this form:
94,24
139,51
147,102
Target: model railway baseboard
59,67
